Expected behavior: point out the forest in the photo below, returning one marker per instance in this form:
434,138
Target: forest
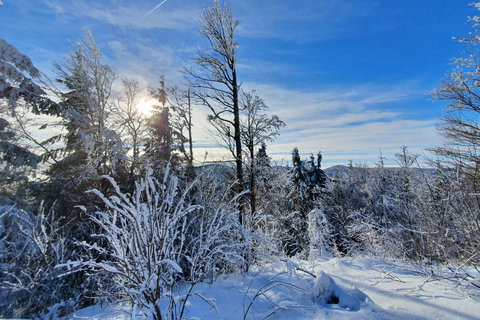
102,202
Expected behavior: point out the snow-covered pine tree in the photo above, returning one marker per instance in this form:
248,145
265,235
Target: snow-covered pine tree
92,146
19,94
309,183
309,178
160,144
17,74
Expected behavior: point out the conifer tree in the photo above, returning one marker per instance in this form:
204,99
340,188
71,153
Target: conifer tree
92,147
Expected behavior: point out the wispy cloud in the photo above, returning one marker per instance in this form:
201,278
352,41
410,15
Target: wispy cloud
137,14
330,101
144,59
347,123
56,7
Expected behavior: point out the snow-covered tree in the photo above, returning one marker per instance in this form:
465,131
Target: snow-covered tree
459,155
15,160
308,183
181,120
91,146
17,74
308,176
215,83
460,125
88,106
256,128
21,98
160,144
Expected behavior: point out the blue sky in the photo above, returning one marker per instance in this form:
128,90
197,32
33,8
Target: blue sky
349,77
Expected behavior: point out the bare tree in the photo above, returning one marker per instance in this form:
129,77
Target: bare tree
459,124
256,128
181,106
215,83
131,119
460,127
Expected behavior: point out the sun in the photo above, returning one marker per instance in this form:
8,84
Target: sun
144,106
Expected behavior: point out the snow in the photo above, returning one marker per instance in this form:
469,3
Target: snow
344,288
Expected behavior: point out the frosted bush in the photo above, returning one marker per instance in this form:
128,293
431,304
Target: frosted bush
157,241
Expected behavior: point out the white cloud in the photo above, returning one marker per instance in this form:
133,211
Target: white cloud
56,7
347,123
145,61
296,105
128,14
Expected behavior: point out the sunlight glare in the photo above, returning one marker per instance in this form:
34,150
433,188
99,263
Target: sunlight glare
144,106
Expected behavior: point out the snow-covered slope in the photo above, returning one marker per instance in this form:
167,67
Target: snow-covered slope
323,289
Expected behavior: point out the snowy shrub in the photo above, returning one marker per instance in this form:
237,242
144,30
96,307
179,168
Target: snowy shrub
30,248
326,291
158,241
273,204
319,233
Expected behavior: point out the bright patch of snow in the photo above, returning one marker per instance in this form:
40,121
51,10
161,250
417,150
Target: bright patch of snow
341,289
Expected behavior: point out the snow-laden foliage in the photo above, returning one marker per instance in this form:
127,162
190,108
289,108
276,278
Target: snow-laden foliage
15,160
320,233
423,215
88,107
16,74
13,82
30,248
18,93
157,241
306,188
90,145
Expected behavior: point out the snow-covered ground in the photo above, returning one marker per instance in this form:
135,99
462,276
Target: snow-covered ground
341,289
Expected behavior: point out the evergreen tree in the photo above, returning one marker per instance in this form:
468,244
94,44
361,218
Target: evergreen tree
308,184
19,95
159,147
309,178
261,157
91,147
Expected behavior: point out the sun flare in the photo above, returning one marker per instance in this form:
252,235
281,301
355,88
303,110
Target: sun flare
144,106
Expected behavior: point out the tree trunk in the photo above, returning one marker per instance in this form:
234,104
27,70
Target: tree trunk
238,143
190,139
253,200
